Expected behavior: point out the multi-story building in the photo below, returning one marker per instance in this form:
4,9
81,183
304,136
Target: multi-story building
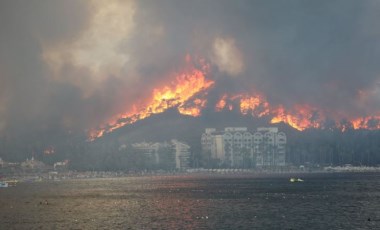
269,146
207,140
238,148
174,154
182,154
229,148
150,149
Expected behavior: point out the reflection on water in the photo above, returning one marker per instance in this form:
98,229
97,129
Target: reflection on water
328,201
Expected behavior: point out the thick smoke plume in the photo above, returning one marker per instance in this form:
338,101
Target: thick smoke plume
69,66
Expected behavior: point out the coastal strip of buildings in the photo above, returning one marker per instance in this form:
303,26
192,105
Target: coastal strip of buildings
233,147
230,148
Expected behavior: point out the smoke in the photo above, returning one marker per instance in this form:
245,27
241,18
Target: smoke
227,57
71,65
294,52
25,85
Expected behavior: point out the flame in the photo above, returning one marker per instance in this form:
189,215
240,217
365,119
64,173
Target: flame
187,93
187,86
49,150
221,104
194,110
371,123
257,106
302,118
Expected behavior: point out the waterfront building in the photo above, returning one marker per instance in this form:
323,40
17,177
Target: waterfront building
32,164
169,155
182,155
229,148
61,165
236,147
269,146
150,149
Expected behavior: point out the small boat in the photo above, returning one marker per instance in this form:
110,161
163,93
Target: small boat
3,184
295,180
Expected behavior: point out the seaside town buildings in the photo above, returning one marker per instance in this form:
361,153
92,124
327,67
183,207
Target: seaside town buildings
33,164
173,154
236,147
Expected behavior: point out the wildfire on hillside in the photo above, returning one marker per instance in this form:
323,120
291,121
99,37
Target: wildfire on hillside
366,123
300,117
257,106
188,90
304,117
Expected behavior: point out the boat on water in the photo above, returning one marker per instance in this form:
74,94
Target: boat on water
295,180
3,184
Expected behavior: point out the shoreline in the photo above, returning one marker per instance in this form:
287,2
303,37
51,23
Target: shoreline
226,173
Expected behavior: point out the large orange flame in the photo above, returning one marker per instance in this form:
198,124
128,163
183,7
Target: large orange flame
371,123
188,85
298,116
188,90
258,106
302,118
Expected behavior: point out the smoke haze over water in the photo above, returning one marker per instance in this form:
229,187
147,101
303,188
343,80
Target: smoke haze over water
71,65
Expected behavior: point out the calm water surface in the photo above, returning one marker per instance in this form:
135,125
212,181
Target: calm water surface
327,201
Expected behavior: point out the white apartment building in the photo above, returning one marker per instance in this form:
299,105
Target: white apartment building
269,146
236,147
231,147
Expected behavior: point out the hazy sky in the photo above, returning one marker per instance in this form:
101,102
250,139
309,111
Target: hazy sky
72,64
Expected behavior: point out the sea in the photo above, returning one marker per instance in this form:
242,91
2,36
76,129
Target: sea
196,201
